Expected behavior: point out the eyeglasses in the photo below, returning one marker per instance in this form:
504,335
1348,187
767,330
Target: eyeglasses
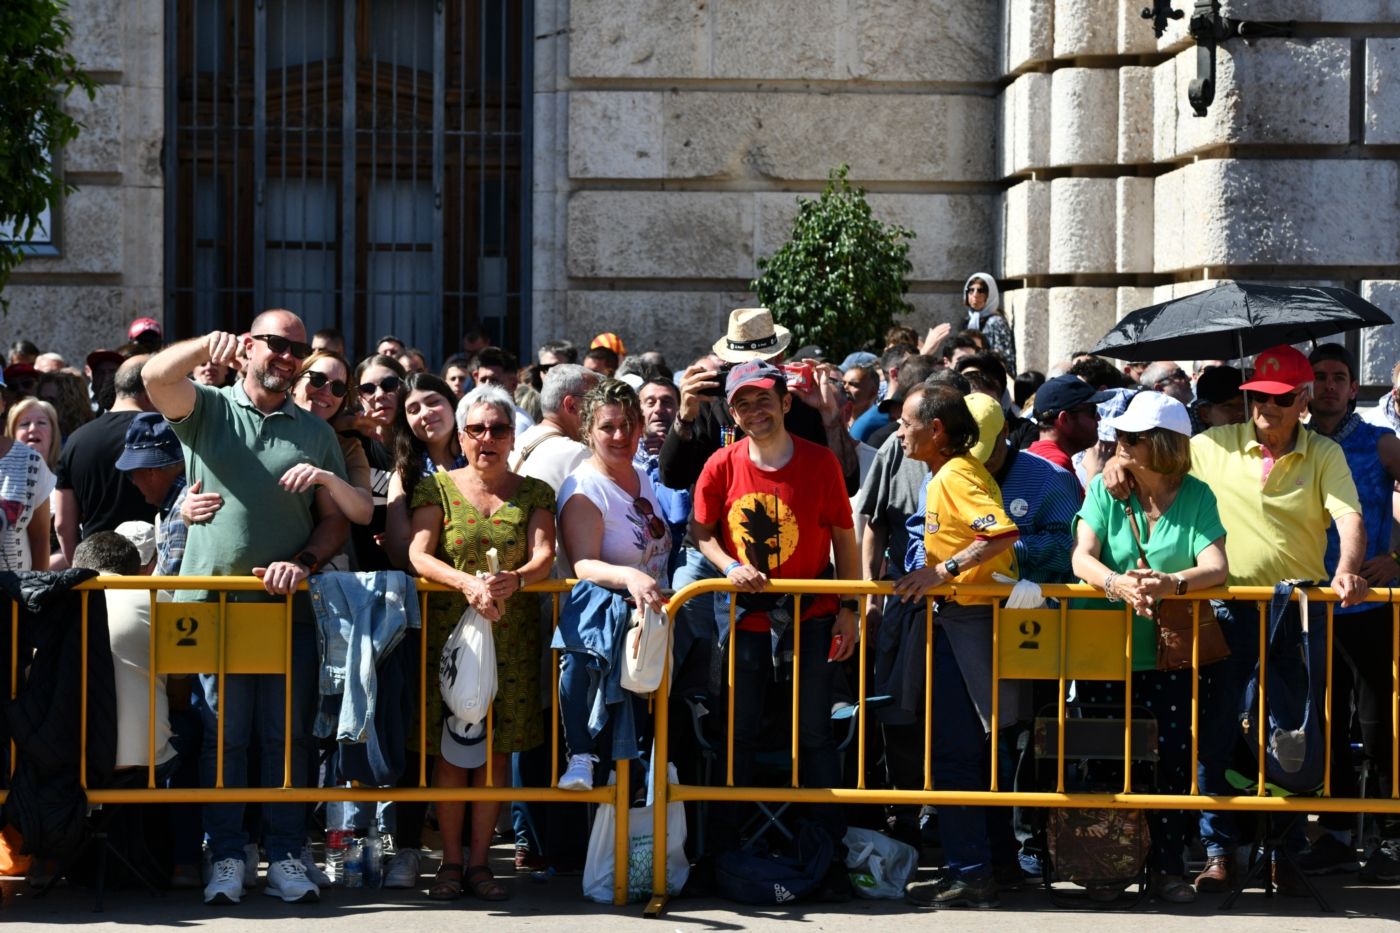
649,520
279,345
389,385
977,289
1174,376
319,380
1285,400
1132,438
498,432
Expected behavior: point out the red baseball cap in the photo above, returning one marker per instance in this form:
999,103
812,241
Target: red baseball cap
141,325
1279,370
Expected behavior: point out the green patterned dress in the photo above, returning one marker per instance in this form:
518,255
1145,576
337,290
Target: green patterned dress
463,542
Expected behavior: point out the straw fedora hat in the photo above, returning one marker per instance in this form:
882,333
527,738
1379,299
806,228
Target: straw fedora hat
752,335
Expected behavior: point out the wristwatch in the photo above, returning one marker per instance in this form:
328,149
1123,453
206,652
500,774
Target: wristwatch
951,567
308,560
851,604
1180,584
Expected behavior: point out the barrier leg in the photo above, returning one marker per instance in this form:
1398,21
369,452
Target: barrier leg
622,806
661,786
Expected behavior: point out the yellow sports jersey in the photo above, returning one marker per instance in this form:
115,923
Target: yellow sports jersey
963,505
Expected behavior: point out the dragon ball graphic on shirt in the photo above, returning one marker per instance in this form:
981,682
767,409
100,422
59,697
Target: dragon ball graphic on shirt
764,529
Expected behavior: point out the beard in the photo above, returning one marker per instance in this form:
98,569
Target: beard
271,381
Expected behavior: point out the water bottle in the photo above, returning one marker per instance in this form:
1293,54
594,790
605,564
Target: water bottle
374,859
336,845
354,865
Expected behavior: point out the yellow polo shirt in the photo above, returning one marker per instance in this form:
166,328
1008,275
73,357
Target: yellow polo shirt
1275,530
963,504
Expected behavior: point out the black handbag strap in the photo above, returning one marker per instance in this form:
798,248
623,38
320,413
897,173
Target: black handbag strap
1133,524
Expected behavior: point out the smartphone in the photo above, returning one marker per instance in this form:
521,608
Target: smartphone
837,642
718,390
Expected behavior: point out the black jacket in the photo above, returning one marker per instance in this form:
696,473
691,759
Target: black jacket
46,802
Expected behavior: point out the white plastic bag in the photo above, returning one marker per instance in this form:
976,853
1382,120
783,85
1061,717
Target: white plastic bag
879,866
598,868
467,671
646,651
1024,595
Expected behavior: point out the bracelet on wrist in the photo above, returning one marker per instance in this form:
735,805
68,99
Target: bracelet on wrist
1108,582
731,567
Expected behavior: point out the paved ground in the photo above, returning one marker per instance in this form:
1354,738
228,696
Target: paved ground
557,905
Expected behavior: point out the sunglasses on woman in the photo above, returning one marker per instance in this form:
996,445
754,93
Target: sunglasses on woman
498,432
281,345
319,381
1132,438
389,385
655,527
977,290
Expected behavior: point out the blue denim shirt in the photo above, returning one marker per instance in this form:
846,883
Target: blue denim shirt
1358,441
360,618
591,622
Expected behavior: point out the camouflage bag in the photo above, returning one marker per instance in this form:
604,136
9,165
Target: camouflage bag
1097,846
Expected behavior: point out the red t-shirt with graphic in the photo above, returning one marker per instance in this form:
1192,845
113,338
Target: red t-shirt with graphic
778,521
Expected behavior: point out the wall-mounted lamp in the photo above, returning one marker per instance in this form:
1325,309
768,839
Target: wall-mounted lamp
1209,29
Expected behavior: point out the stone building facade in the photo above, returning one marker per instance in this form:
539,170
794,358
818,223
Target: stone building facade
1047,141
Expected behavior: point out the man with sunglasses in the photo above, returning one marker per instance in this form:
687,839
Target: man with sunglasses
241,441
1278,487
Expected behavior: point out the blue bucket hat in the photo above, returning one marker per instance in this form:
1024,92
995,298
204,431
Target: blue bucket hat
150,443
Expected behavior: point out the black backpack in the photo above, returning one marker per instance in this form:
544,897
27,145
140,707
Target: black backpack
757,876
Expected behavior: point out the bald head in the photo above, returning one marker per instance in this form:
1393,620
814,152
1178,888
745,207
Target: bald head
279,321
128,379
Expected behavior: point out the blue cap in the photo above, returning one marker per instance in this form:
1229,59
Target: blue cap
858,358
150,443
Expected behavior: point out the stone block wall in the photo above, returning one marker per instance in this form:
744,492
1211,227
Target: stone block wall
110,264
674,136
1118,196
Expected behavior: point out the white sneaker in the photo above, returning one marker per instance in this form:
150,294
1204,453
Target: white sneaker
251,858
313,874
579,776
402,870
287,879
225,882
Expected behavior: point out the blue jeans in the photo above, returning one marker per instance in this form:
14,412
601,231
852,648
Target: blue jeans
1222,700
959,749
695,620
256,701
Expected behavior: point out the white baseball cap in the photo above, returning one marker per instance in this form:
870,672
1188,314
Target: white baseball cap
463,745
1150,410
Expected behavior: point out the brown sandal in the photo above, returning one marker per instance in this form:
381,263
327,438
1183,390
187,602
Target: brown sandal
447,883
484,884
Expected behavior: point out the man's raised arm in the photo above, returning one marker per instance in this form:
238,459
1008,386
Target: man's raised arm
166,374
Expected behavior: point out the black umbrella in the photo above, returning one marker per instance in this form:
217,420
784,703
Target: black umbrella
1237,319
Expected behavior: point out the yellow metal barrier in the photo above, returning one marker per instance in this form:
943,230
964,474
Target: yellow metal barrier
1060,644
231,637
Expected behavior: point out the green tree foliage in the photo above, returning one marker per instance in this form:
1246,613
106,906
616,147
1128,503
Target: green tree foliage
36,74
839,281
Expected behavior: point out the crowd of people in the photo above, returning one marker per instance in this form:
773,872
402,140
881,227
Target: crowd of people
927,460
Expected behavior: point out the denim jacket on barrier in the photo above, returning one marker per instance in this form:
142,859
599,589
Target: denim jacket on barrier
360,618
592,621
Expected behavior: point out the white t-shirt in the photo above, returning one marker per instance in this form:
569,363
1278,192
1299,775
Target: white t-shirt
551,459
129,630
634,533
25,484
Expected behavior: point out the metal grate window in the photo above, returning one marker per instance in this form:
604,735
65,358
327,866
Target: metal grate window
361,162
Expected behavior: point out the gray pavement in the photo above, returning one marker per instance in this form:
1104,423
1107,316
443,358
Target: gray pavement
557,904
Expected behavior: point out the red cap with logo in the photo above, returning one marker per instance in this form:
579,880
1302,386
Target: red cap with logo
1279,370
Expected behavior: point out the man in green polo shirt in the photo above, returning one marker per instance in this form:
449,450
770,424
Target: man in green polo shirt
240,442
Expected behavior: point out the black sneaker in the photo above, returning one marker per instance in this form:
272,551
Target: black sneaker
1328,856
952,892
1383,867
1008,877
